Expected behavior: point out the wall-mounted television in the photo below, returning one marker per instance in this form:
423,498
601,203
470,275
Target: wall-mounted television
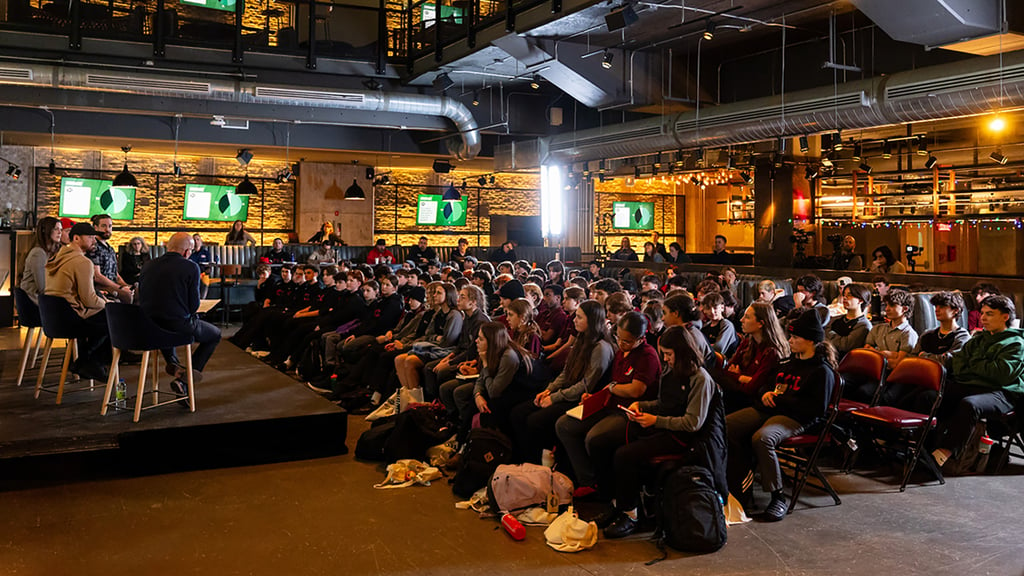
216,203
84,197
224,5
633,215
432,210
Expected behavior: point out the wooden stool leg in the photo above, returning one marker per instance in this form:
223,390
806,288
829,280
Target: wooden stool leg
42,367
68,350
142,385
191,383
24,353
111,380
39,344
156,377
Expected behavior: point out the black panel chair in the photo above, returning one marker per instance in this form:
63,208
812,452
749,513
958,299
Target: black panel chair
28,317
131,329
60,322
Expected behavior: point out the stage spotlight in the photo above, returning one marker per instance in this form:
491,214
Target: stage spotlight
709,30
535,82
886,149
858,152
476,98
606,62
745,176
804,147
442,166
865,168
996,156
244,156
482,180
922,147
443,82
930,162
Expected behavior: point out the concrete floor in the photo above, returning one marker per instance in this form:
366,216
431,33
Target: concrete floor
324,516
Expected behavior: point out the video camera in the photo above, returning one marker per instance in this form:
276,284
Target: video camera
913,252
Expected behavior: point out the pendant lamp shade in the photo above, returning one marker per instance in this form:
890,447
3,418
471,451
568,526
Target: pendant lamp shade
246,187
354,192
126,178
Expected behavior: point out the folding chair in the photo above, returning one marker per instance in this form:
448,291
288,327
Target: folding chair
131,329
862,365
1009,436
905,431
28,317
800,453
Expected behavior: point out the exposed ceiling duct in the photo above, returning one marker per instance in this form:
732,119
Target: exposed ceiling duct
933,22
966,88
73,78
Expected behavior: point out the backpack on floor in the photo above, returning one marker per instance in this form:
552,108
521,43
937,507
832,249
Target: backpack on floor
486,449
311,362
690,515
517,486
416,430
371,443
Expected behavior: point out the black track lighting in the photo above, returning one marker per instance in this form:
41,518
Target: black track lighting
930,162
284,175
176,170
476,98
811,172
922,147
443,82
244,156
837,141
53,166
535,82
886,149
491,181
606,62
804,147
858,152
745,176
482,180
13,171
998,157
709,30
442,166
865,168
372,84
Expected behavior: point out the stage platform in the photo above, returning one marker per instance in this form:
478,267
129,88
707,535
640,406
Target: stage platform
246,413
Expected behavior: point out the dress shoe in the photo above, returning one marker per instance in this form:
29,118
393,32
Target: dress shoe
622,527
606,518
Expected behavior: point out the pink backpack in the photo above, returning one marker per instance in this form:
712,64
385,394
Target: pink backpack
516,486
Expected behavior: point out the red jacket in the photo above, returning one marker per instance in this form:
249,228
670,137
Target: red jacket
385,256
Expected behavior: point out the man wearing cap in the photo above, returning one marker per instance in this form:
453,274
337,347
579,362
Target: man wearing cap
169,295
421,254
799,400
104,257
70,275
65,229
380,254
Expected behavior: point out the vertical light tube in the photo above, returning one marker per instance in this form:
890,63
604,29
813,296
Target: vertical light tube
552,202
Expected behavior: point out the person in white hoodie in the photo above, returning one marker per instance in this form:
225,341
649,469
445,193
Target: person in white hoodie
70,275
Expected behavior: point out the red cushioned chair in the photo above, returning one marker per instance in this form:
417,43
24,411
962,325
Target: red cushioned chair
799,454
904,431
863,365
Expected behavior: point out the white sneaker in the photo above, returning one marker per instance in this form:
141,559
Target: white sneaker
317,389
375,398
261,353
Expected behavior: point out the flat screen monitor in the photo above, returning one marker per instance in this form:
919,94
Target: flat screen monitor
216,203
224,5
432,210
633,215
83,198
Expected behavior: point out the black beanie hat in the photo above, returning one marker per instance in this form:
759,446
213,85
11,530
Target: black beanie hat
417,293
807,326
512,289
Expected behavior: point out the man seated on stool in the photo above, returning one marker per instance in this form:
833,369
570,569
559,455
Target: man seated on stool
70,275
169,295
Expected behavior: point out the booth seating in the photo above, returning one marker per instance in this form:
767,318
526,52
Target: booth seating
28,317
131,329
60,322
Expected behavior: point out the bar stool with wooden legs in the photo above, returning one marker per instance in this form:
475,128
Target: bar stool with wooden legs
60,322
131,329
28,317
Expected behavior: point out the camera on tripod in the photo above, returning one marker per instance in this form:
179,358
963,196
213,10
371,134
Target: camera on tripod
800,238
913,252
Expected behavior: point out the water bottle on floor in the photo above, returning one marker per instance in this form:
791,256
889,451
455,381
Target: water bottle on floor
121,394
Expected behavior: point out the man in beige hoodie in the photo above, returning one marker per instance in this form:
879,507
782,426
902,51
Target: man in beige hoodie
70,274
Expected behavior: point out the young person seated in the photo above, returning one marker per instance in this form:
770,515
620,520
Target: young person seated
557,352
651,253
851,330
986,379
616,305
522,328
556,273
586,369
277,253
439,376
681,310
439,339
677,255
461,253
799,400
591,443
753,366
382,316
625,252
979,292
894,338
719,332
655,314
807,295
687,418
881,288
604,288
551,318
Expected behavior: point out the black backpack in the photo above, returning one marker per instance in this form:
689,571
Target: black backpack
416,430
486,449
311,362
371,443
690,515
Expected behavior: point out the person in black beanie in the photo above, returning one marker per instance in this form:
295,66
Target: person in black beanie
509,291
799,400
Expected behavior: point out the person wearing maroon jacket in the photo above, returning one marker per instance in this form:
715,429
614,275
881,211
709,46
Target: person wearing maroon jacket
636,375
756,360
551,318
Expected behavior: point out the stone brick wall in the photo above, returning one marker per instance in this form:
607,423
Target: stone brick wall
270,214
661,192
510,195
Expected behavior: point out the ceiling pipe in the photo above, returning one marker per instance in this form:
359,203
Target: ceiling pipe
232,90
966,88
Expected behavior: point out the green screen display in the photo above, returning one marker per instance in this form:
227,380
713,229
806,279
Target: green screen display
449,14
82,198
225,5
217,203
431,210
633,215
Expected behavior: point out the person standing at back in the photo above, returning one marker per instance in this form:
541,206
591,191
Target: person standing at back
169,295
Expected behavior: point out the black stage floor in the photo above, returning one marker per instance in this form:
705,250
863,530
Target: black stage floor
246,412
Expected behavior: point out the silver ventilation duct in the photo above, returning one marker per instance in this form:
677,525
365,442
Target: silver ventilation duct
61,77
966,88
